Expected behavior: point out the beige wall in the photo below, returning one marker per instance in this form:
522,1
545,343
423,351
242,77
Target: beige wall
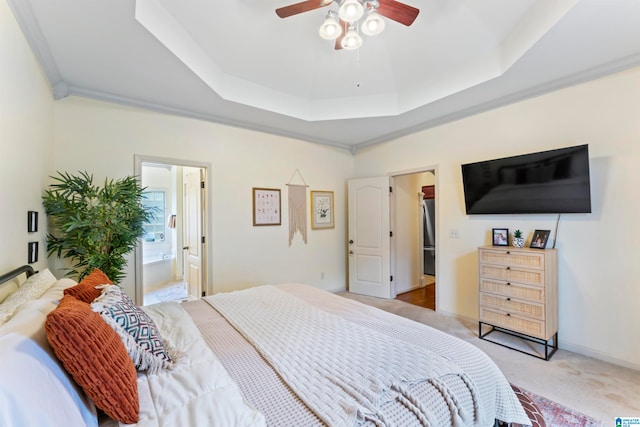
26,144
598,252
103,138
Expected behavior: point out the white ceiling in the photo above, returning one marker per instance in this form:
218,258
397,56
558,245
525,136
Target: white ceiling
237,62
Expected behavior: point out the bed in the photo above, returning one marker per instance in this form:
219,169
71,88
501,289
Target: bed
284,355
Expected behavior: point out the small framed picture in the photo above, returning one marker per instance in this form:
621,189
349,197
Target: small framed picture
539,240
322,209
32,221
266,206
32,255
500,237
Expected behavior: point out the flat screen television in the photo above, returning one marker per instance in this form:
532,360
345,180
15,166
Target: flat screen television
554,181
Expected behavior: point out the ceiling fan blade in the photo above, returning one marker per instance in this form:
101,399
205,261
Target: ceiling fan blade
303,6
345,28
399,12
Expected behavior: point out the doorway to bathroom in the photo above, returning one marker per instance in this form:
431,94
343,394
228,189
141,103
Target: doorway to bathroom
171,260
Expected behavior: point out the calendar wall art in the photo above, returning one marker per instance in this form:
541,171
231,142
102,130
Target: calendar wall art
266,206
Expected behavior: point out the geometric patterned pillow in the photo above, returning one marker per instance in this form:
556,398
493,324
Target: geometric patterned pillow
137,330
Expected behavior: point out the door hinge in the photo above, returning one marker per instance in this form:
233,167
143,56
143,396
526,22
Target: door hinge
391,234
204,294
391,279
390,189
201,184
202,239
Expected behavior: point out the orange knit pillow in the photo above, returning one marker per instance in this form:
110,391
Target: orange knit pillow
93,353
86,290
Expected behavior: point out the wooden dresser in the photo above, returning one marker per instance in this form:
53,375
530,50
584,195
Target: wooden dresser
519,295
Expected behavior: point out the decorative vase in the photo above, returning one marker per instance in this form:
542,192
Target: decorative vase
518,242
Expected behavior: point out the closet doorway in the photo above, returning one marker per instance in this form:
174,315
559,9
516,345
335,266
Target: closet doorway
171,257
414,244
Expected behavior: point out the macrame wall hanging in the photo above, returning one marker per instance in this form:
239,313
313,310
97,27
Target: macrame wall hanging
297,208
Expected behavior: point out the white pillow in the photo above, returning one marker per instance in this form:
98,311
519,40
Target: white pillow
7,289
35,390
31,289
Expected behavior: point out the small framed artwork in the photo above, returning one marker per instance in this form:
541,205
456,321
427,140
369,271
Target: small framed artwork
32,255
32,221
266,206
322,209
500,237
539,240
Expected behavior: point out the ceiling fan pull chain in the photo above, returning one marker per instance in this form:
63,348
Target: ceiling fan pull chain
358,68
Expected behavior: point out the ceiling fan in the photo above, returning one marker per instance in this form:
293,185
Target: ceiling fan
346,31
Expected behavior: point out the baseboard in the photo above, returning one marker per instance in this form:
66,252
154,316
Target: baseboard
336,290
568,346
596,354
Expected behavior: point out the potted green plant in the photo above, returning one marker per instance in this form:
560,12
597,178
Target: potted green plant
518,240
94,227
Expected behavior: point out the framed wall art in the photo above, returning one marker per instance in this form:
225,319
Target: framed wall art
322,209
32,221
266,206
500,237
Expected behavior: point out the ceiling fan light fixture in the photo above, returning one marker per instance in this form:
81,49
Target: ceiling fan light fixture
351,10
331,29
351,40
374,24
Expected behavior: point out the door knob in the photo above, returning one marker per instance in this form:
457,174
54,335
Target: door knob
185,248
351,242
350,252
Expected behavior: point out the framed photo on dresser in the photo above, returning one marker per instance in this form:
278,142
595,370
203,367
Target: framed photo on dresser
500,237
539,240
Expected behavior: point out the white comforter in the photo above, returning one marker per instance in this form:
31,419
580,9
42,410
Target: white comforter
495,397
198,391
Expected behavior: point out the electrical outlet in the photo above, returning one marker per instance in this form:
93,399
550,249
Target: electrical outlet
454,233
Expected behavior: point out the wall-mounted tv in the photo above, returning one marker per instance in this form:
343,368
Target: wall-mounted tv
554,181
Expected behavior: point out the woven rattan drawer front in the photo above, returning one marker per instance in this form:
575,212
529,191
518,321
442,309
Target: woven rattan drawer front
508,289
509,274
531,327
512,306
513,258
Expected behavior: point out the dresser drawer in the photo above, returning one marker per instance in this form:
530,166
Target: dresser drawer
512,306
531,327
513,258
510,274
508,289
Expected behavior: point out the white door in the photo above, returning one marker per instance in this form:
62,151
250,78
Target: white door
193,231
369,237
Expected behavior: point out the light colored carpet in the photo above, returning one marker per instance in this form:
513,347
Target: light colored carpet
598,389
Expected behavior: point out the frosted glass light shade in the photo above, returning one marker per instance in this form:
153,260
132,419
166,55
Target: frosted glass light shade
374,24
351,40
331,29
350,10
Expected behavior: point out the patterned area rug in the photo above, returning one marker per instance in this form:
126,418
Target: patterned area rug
545,413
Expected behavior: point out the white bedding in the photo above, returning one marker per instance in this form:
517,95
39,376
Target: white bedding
198,391
345,372
496,398
205,389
